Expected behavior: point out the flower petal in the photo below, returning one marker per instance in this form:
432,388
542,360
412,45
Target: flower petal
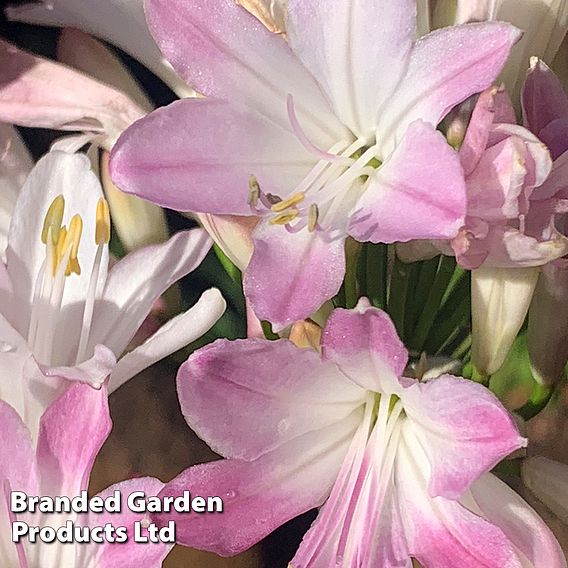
18,472
175,334
120,22
15,165
365,345
232,388
223,51
137,281
422,179
441,532
286,296
530,536
72,431
41,93
358,51
463,429
446,67
287,482
185,157
129,554
57,173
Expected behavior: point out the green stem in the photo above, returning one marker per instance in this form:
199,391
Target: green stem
267,330
437,292
398,293
377,274
352,251
415,302
233,272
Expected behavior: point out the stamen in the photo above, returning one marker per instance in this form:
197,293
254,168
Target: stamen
254,191
102,223
313,213
287,203
72,241
284,218
53,220
301,135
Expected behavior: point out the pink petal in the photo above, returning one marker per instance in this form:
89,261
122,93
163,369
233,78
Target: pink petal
493,106
137,281
198,155
17,473
523,527
40,93
232,388
422,179
287,482
177,333
365,345
357,58
72,431
543,98
446,67
279,281
223,51
129,554
440,532
463,429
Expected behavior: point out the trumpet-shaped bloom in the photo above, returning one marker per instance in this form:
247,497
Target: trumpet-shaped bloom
120,22
330,134
72,432
393,462
61,304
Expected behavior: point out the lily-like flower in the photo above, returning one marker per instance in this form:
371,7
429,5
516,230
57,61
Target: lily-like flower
15,165
72,431
120,22
329,135
544,24
394,463
61,305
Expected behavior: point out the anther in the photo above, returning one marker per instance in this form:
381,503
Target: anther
73,239
102,223
313,214
287,203
254,191
53,220
284,218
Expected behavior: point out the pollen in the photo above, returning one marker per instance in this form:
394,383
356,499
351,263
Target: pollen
53,220
254,191
287,203
284,218
102,226
313,214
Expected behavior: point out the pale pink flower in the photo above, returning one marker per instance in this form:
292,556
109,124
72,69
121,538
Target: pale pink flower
330,134
397,466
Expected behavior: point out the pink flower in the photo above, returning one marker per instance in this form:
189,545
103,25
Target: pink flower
317,139
64,313
397,466
509,223
72,432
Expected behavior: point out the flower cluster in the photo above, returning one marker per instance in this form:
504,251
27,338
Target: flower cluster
375,194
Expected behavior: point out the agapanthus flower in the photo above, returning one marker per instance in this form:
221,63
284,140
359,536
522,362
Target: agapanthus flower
398,466
61,304
72,431
330,134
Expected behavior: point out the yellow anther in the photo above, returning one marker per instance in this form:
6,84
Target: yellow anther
53,220
102,226
313,214
286,203
60,248
284,218
74,236
254,191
